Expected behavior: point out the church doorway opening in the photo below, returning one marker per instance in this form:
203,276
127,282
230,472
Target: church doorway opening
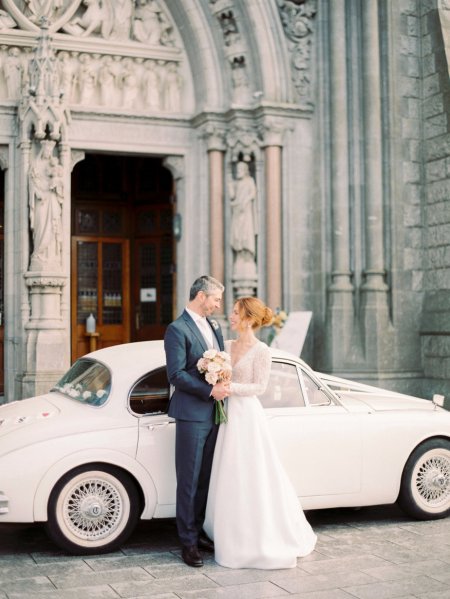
123,250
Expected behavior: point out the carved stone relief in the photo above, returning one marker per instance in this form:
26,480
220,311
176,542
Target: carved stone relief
297,17
46,195
235,50
141,20
92,79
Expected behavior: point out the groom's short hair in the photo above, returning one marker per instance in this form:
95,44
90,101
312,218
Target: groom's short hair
206,284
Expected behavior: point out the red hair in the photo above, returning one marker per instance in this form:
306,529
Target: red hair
255,311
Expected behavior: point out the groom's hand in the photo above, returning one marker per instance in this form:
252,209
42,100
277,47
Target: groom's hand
220,391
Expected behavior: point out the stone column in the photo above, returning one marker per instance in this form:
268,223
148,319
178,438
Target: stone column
274,252
371,86
340,291
216,154
377,331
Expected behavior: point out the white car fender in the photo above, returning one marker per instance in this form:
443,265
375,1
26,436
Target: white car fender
88,456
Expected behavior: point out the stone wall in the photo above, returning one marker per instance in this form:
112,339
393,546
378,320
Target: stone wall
435,326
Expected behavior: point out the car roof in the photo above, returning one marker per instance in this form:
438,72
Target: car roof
133,358
143,356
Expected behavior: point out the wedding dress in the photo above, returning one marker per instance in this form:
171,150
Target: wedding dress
253,514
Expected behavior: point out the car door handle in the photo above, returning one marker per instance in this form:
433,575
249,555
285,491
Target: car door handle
157,425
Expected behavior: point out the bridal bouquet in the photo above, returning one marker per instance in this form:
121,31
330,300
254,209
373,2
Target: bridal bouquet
216,366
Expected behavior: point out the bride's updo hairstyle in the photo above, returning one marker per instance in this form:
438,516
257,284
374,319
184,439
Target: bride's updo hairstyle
254,311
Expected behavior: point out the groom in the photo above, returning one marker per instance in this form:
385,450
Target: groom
192,405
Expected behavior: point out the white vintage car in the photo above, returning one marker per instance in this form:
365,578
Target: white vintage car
97,453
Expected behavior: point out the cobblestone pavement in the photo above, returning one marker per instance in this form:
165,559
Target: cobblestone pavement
373,553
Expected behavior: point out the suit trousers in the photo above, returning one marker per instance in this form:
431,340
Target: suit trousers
194,452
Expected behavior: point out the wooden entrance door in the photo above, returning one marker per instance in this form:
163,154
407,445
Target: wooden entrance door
101,289
122,250
152,293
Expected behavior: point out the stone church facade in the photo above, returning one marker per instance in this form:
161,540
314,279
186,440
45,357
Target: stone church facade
294,149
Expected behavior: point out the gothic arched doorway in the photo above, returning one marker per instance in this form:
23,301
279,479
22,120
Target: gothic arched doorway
122,250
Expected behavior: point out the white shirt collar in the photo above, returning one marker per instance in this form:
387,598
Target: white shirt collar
196,317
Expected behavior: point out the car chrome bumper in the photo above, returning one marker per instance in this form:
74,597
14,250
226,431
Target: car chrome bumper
4,504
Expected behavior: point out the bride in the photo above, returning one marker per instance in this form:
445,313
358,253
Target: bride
253,514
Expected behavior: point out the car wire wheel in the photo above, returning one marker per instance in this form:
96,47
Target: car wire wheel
425,489
92,511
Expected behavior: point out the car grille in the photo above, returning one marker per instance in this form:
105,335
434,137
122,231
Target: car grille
4,503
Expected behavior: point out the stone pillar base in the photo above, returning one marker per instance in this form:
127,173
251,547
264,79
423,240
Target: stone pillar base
47,351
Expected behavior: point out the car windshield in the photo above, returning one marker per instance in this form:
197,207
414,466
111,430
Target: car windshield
87,381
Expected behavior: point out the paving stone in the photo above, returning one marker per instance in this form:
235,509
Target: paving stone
31,570
27,585
98,578
153,587
372,553
361,562
432,568
228,577
328,594
153,559
386,590
435,595
257,590
297,582
98,592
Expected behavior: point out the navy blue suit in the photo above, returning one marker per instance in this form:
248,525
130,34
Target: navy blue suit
192,406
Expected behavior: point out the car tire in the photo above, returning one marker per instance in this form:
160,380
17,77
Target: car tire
93,509
425,485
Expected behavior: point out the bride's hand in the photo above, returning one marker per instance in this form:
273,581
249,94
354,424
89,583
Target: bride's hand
220,391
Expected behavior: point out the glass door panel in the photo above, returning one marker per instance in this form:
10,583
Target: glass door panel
102,283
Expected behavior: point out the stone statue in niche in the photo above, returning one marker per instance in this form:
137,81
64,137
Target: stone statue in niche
173,84
67,75
129,82
13,71
151,85
244,222
150,24
87,80
107,77
46,194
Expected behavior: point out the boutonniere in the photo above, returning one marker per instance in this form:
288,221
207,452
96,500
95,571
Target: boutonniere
214,324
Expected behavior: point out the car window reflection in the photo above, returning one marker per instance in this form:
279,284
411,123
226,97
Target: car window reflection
315,394
87,381
150,395
283,390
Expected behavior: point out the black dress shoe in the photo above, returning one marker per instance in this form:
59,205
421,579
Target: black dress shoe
192,557
205,543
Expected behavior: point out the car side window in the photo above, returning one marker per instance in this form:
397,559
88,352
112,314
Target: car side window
150,395
283,390
316,396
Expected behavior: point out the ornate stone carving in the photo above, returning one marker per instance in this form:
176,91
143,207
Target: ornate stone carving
13,70
243,143
244,227
297,17
6,21
151,25
42,111
28,13
141,20
46,195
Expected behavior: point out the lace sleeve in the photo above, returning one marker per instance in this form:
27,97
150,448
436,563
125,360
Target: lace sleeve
260,375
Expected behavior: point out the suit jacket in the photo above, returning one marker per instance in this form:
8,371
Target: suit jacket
184,346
